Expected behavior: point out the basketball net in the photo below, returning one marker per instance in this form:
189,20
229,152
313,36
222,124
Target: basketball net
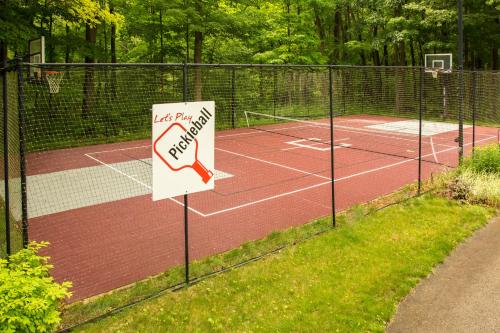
54,79
435,72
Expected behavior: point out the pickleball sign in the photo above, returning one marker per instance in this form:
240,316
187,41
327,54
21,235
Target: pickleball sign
183,148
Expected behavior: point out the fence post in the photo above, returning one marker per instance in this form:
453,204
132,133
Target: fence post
275,88
474,92
420,115
186,211
6,156
22,151
233,96
332,144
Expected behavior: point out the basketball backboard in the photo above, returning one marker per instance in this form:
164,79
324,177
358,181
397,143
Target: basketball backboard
36,53
442,62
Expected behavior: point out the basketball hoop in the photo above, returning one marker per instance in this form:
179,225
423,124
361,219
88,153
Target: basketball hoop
54,79
437,71
438,63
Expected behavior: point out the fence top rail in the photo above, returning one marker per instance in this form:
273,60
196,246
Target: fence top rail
215,65
9,68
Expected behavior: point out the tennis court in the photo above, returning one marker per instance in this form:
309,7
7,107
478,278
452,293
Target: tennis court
93,204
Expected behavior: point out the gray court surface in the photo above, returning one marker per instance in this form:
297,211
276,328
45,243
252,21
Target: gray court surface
76,188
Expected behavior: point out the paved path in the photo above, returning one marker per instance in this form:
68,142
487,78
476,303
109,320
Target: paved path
463,294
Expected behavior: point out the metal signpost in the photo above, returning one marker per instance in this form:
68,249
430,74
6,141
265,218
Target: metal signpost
183,153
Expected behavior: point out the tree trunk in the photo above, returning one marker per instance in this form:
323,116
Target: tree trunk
336,36
161,36
412,52
386,55
319,28
362,52
198,43
375,54
494,58
88,85
112,35
68,43
51,48
3,53
288,27
399,56
421,54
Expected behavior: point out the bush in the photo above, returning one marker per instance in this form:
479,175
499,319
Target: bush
478,188
478,178
485,160
29,297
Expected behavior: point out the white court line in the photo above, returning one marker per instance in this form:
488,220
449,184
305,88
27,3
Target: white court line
434,151
268,198
255,132
140,183
368,121
342,128
388,136
401,136
329,182
312,144
272,163
122,149
404,161
292,192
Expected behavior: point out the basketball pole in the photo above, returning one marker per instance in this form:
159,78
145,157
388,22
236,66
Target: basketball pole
460,50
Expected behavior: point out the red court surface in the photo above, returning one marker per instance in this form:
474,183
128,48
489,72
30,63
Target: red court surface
93,204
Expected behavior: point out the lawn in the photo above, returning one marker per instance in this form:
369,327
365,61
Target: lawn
349,279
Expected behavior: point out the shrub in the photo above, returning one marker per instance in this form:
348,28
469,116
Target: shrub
29,296
478,178
482,188
485,160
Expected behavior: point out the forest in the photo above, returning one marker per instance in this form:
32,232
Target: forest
359,32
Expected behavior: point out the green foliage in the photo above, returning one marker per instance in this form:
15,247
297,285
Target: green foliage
485,160
29,297
266,31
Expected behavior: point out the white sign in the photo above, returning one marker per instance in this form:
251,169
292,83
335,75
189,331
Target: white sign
183,148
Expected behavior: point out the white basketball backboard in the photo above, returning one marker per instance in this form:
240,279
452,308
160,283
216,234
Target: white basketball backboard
36,53
442,62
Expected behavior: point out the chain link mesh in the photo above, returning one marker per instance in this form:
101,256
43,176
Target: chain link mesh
89,157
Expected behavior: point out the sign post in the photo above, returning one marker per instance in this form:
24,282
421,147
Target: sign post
183,153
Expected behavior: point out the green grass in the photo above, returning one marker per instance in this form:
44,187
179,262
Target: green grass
348,280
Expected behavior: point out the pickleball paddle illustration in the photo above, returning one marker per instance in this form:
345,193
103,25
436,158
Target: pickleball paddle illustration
178,149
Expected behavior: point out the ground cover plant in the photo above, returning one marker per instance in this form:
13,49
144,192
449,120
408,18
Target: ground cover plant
348,279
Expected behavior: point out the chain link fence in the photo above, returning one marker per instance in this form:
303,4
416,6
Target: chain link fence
13,232
282,132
